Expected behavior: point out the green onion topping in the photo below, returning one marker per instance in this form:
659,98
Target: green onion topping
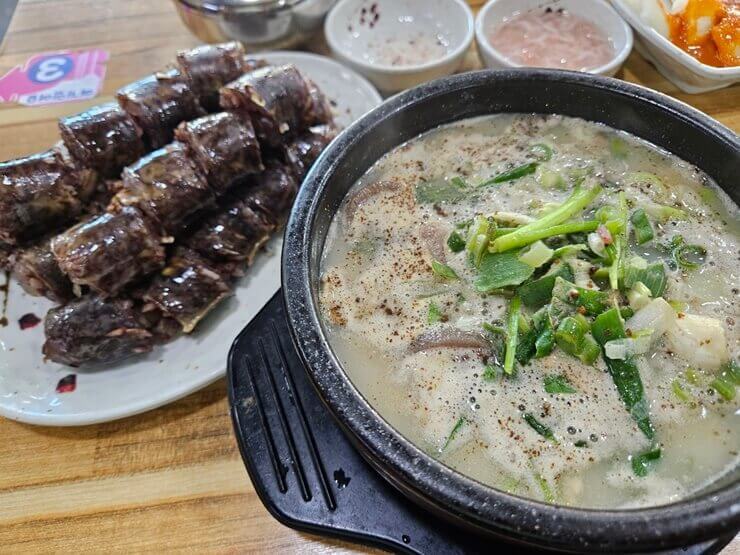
443,270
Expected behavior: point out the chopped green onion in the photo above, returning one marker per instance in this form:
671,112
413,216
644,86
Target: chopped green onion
727,380
569,251
541,151
590,301
443,270
687,257
455,242
524,239
537,293
434,314
545,341
540,428
500,270
626,312
606,327
510,484
606,213
576,203
490,373
730,370
512,174
617,250
441,190
679,391
653,276
678,306
572,337
627,347
537,254
547,492
479,236
513,219
618,148
662,213
724,387
643,462
589,350
570,333
581,443
456,428
550,179
558,384
639,295
692,376
512,334
459,182
641,226
647,178
539,340
494,330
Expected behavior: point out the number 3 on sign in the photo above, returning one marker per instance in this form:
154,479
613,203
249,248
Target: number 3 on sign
50,69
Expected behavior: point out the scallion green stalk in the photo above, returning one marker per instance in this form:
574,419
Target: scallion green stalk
576,203
512,334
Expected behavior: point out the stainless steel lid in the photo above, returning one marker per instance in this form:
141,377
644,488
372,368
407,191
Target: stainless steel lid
241,6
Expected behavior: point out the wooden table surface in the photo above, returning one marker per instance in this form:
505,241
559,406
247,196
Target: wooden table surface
170,479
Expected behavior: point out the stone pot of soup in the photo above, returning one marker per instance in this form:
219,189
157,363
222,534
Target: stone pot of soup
517,292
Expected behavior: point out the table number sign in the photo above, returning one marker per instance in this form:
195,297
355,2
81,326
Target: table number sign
54,77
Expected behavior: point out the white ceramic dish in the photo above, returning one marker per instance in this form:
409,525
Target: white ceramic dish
28,384
598,12
685,71
398,44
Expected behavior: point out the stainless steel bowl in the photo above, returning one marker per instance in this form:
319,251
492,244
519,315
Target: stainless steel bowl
259,24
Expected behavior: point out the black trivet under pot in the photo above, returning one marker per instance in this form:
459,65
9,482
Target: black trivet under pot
308,474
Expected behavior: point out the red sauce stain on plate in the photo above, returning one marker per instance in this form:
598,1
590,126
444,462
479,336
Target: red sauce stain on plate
28,321
67,384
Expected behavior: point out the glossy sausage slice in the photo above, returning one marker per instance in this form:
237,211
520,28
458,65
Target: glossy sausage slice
104,138
210,66
303,151
158,103
39,274
167,187
188,288
93,329
224,147
274,97
38,194
109,251
234,234
272,193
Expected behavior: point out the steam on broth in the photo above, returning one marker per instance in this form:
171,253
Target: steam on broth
546,305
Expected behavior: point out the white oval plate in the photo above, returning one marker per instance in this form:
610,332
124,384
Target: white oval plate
28,384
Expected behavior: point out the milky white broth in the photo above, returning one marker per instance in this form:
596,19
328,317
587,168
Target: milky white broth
377,285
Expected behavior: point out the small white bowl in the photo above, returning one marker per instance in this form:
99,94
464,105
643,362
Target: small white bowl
597,12
398,44
685,71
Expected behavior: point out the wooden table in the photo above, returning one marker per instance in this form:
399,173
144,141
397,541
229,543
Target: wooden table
170,479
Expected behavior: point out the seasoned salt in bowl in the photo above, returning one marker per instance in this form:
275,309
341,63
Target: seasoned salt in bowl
600,39
398,44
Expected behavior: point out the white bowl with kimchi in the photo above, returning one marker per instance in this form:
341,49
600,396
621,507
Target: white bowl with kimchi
693,43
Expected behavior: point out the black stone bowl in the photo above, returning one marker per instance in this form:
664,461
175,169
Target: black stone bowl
659,119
